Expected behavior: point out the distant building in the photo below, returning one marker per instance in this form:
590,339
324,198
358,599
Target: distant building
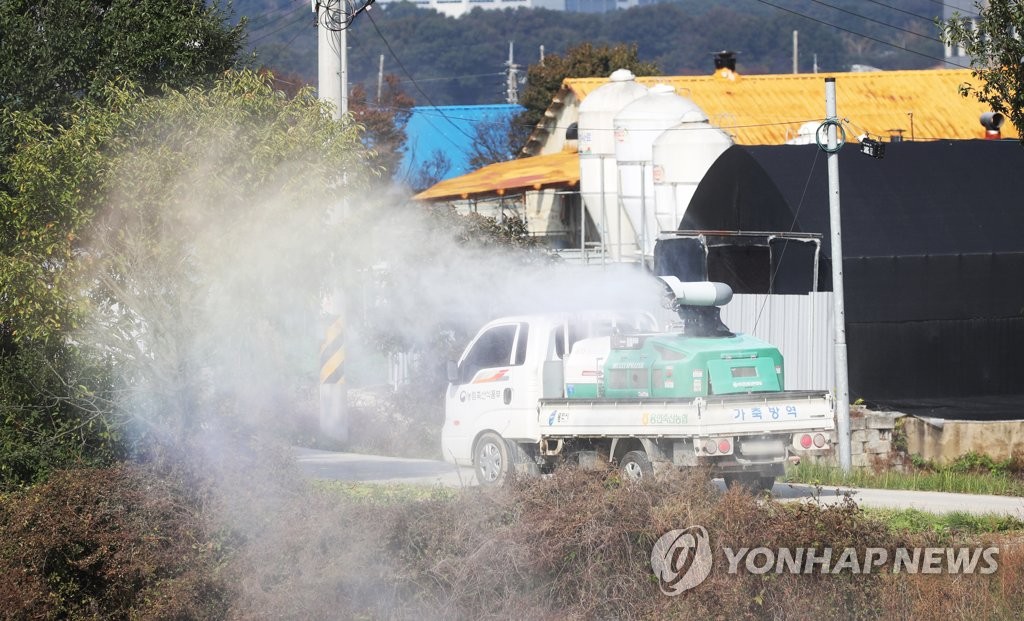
956,55
890,106
455,8
450,131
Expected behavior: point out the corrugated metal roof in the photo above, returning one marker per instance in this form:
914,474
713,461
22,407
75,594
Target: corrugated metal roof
528,173
769,109
450,130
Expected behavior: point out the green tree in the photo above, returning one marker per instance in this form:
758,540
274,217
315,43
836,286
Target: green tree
55,52
174,249
993,41
585,60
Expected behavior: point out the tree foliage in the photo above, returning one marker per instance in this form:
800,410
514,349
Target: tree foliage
993,41
582,61
55,52
180,244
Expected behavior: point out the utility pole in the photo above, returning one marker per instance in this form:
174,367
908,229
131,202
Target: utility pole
839,312
796,47
332,54
512,79
332,87
380,77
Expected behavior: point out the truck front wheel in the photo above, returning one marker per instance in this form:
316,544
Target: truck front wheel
491,459
635,465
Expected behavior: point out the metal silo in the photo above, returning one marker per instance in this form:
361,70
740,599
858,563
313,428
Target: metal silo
682,155
598,172
637,126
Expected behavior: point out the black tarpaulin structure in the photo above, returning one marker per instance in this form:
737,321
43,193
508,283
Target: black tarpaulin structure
933,238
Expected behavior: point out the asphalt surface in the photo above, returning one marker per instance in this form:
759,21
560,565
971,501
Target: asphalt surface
378,469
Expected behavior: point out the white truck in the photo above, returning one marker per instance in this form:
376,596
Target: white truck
531,392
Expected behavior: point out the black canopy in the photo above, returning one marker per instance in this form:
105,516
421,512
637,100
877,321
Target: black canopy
933,238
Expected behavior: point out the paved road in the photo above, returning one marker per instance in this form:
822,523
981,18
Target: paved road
378,469
375,468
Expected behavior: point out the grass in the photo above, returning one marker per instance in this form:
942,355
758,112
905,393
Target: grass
956,522
382,493
944,479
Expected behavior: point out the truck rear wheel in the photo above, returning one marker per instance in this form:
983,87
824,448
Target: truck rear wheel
491,459
636,466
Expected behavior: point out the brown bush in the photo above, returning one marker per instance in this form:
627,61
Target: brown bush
113,543
136,542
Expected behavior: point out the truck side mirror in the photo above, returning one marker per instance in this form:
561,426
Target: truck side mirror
453,371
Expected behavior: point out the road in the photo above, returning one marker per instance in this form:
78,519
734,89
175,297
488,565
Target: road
378,469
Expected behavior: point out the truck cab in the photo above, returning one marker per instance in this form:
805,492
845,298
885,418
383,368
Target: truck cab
510,366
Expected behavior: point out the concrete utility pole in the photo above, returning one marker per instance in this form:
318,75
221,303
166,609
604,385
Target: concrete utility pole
512,80
796,47
380,77
839,312
332,54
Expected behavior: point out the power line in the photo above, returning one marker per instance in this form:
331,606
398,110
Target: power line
279,29
331,8
862,35
457,77
965,12
876,21
905,12
387,44
276,13
277,52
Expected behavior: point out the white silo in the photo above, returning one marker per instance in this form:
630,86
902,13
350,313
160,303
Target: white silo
637,126
598,174
682,155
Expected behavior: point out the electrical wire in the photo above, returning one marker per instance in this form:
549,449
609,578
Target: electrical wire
279,29
840,137
862,35
277,52
905,12
792,227
955,8
457,77
876,21
415,84
329,17
276,13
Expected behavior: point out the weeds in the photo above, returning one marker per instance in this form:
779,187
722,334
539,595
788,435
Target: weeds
253,542
953,523
971,474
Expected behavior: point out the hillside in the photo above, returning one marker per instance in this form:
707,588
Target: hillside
447,61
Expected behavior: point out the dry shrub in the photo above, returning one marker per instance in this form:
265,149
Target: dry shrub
250,540
404,423
120,542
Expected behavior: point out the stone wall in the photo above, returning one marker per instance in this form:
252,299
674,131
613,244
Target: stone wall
942,441
871,440
877,441
871,437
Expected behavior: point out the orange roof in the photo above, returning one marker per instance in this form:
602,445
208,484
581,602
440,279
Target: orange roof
769,109
528,173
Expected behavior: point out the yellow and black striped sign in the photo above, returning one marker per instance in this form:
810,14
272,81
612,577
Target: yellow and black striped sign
332,354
